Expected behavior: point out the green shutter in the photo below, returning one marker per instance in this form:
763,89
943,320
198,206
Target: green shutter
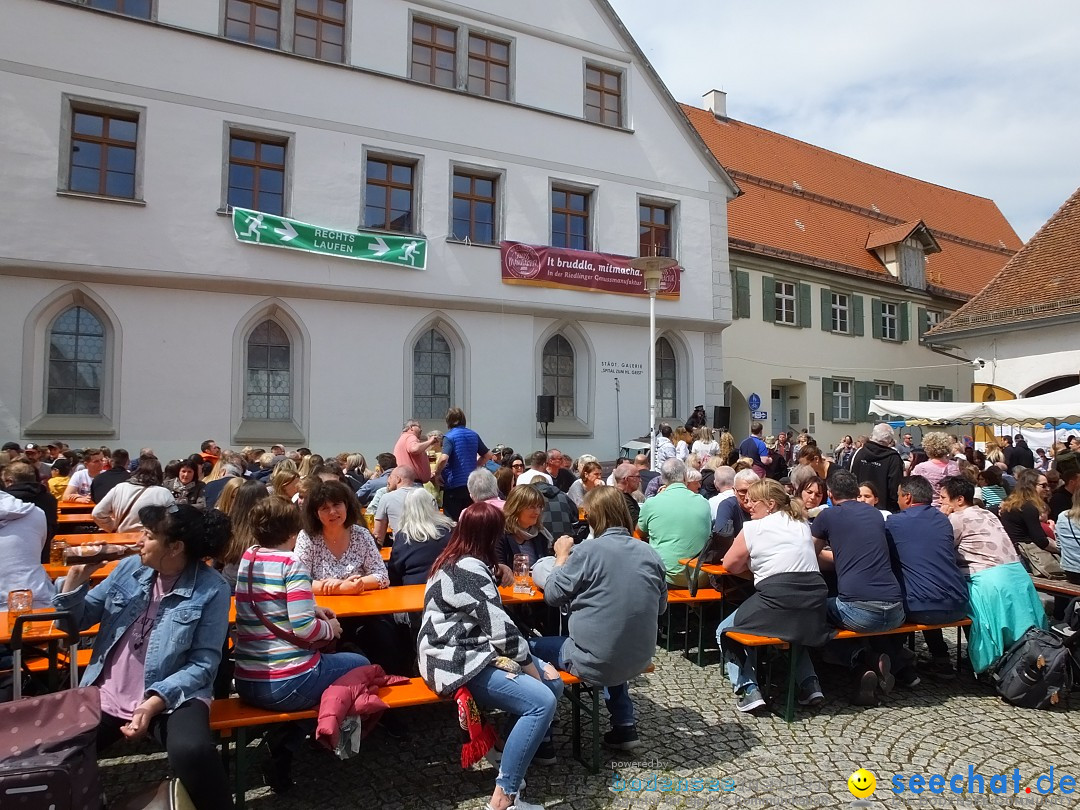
902,314
742,294
826,399
768,299
857,316
803,308
864,392
826,309
923,323
875,314
924,393
947,395
897,391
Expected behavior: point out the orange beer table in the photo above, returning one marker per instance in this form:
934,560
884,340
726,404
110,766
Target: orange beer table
399,599
57,570
77,518
120,538
709,568
74,506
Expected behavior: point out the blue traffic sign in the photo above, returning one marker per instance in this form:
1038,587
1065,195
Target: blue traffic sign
754,401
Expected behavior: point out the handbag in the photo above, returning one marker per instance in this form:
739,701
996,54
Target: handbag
50,753
1043,564
284,635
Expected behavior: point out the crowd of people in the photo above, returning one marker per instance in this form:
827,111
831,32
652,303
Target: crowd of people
866,537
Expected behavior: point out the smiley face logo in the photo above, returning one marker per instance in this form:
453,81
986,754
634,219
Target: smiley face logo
862,784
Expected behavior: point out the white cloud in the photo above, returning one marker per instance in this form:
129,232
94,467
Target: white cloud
977,95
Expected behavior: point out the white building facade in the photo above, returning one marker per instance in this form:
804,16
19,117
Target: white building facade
134,317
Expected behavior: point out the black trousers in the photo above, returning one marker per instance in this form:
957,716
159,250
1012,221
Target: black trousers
193,756
454,501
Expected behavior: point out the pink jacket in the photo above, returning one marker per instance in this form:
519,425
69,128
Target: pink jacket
354,693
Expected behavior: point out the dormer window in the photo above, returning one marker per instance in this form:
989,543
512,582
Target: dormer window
903,250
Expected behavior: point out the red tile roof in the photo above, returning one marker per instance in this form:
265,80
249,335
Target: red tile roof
819,207
1041,281
893,234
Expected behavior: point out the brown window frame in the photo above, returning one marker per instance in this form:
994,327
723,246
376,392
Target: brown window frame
257,164
648,229
104,141
251,23
473,198
570,213
434,47
322,21
388,186
599,113
488,61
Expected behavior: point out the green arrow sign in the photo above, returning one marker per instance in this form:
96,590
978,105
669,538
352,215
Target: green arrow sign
255,227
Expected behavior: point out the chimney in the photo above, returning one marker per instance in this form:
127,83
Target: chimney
716,103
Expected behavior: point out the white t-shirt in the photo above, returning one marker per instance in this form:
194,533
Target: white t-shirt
779,545
705,450
80,482
531,476
714,501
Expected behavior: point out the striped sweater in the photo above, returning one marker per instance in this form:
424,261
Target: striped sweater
282,587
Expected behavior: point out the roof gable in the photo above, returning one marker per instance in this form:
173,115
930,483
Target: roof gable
1041,281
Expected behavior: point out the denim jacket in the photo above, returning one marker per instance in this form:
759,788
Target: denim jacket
184,648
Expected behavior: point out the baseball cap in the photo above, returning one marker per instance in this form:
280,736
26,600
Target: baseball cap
12,446
31,446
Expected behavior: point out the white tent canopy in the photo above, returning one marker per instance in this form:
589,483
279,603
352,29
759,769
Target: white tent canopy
1058,406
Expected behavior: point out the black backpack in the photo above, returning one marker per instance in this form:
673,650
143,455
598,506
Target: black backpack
1036,672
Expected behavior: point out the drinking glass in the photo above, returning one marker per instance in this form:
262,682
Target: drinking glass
522,580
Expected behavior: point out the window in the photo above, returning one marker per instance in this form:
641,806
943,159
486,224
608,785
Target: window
257,173
841,306
104,150
431,375
935,394
883,390
603,95
558,375
889,319
434,53
841,400
254,21
786,303
666,405
933,318
570,218
76,362
388,201
474,207
489,67
132,8
654,229
320,29
268,394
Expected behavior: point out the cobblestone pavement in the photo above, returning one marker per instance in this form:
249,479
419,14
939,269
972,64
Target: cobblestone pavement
690,730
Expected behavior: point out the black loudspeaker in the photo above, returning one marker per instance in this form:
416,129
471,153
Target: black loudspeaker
545,408
721,417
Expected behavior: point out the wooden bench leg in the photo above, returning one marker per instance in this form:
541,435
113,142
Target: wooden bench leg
240,783
789,707
575,723
594,764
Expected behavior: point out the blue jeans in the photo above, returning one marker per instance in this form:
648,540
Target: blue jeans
532,702
302,691
743,674
862,617
617,698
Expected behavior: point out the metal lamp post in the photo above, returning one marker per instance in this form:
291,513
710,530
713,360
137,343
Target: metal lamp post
652,269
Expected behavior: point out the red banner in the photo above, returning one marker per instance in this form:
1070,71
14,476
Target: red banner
542,266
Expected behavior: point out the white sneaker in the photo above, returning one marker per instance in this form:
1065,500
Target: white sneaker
521,804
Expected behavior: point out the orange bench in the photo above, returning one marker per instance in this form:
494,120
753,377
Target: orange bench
750,640
231,716
1056,586
705,595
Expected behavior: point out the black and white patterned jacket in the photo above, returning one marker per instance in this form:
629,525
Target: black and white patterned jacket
465,627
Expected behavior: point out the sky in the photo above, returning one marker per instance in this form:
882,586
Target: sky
983,97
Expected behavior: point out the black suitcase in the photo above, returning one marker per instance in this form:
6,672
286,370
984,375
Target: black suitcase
48,760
